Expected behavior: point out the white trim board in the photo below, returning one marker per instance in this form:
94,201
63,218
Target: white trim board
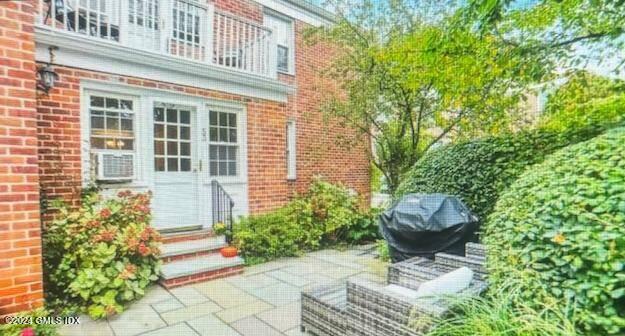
91,54
298,12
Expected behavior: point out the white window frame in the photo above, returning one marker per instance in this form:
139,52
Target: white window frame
88,151
270,15
291,150
133,112
238,144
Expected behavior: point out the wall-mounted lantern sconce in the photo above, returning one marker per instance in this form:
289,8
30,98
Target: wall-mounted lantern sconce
46,75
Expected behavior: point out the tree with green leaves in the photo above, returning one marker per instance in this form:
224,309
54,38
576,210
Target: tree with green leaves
585,99
411,77
566,32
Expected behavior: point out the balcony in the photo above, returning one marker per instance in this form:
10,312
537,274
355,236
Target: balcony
183,29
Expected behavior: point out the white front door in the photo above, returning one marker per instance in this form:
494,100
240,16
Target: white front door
175,200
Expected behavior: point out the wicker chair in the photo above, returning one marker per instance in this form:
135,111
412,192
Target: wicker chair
323,310
365,308
373,310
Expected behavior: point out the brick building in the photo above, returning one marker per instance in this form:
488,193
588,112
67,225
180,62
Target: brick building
159,95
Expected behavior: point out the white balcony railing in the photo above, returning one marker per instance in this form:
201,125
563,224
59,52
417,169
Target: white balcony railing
180,28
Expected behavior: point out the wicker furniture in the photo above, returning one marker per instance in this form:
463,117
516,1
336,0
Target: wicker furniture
323,310
374,310
365,308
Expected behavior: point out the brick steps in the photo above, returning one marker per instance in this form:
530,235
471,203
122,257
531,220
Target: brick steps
198,269
192,248
192,257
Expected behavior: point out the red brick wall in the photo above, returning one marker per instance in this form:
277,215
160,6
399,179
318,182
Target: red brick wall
60,142
20,235
318,150
321,149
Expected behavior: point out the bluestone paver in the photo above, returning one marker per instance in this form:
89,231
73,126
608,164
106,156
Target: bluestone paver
189,313
188,296
252,282
239,312
282,318
251,326
180,329
167,305
140,318
279,294
224,294
289,278
210,325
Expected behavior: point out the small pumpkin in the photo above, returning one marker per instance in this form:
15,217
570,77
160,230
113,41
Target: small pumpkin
229,252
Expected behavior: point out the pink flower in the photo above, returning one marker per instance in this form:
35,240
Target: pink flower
28,332
105,213
144,250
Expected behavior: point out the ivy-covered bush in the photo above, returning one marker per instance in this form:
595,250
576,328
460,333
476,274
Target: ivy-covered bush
478,171
327,214
102,255
561,227
33,325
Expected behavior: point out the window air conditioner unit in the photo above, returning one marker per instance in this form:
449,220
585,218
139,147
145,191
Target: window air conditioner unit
115,167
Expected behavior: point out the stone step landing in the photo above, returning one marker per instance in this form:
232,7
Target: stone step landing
192,248
191,257
172,237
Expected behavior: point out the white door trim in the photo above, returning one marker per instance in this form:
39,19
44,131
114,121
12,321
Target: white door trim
144,128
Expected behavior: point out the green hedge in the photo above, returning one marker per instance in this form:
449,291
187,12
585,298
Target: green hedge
561,228
478,171
328,214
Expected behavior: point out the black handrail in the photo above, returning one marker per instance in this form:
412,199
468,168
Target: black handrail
222,208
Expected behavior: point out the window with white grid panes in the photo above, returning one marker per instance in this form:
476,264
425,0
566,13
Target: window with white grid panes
111,123
223,144
172,139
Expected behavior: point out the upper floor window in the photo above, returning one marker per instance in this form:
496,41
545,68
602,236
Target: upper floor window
112,122
284,36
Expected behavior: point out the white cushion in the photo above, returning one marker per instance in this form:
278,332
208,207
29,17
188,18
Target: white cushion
403,291
446,284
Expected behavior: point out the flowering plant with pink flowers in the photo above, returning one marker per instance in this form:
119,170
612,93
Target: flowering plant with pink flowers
102,255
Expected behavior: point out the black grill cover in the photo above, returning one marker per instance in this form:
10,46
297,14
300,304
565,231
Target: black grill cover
421,225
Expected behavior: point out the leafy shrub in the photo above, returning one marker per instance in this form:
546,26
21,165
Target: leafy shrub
327,214
102,255
364,227
478,171
382,248
40,329
501,313
561,226
272,235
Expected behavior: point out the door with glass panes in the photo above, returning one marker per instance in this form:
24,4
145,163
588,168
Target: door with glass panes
176,165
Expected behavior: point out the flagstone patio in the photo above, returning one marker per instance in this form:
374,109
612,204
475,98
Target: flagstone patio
263,301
